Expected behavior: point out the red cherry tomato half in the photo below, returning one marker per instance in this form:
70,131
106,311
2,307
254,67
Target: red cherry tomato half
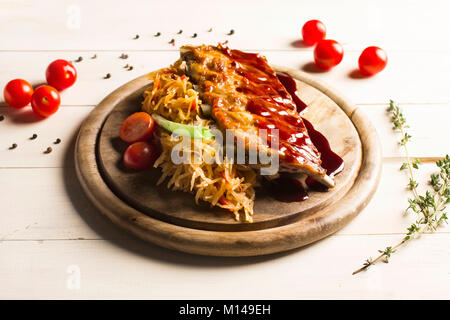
61,74
372,60
17,93
137,127
140,156
328,53
45,101
313,31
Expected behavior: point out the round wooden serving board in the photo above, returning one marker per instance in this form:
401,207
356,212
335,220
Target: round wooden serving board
173,220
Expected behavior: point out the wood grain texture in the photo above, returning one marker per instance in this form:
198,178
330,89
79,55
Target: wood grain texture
132,269
309,228
428,129
140,191
92,25
42,198
398,80
67,213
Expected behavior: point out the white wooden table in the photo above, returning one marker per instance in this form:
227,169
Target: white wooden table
53,242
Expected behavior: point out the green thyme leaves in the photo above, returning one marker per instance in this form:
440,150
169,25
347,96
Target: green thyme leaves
429,207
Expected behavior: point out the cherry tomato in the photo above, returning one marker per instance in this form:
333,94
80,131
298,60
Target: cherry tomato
372,60
313,31
137,127
18,93
45,101
328,53
61,74
140,155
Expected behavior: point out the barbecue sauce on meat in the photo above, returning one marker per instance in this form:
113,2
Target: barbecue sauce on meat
272,107
291,87
288,189
271,100
331,162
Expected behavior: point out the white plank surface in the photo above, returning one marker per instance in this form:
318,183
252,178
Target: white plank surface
426,82
265,25
47,224
130,269
64,212
429,131
20,125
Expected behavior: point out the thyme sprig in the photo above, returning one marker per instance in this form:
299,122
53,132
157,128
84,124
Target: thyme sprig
429,207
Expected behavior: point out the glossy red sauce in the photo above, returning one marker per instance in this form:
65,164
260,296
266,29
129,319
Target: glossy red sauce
291,87
331,162
289,189
286,189
271,105
271,99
